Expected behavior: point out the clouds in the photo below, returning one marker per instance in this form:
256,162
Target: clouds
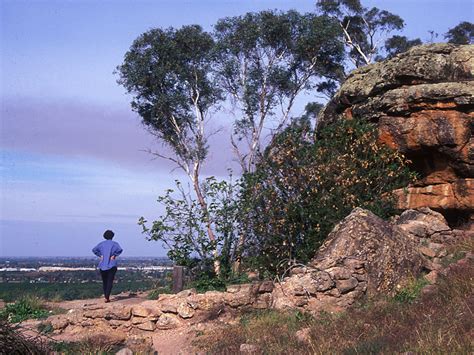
112,134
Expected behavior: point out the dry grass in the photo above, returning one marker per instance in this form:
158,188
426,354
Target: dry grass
440,322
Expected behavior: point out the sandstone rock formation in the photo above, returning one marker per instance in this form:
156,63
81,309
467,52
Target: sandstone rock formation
423,102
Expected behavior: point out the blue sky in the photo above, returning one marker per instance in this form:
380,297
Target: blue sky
72,152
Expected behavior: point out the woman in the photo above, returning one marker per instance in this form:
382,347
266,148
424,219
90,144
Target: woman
107,251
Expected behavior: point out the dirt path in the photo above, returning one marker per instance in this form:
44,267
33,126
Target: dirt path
122,299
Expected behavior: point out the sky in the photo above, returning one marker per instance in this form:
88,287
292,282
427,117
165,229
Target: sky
73,158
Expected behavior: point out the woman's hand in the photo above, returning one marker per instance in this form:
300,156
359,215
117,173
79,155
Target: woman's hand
112,257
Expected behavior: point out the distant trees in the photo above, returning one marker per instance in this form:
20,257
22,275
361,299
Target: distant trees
399,44
463,33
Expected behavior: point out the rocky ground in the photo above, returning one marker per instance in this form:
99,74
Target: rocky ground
363,256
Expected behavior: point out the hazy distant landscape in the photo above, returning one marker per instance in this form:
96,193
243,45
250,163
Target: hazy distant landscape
70,278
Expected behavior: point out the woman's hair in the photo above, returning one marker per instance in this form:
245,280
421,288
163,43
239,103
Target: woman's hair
108,234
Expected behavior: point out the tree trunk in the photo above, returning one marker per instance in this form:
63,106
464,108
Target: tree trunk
210,232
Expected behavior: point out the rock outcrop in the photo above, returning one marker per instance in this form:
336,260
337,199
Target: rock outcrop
363,256
423,102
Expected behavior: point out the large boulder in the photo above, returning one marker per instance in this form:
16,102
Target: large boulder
386,253
363,256
422,101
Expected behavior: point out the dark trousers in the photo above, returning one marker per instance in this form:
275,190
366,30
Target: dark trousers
108,280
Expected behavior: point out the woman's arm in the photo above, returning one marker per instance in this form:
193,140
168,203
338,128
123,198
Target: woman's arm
96,250
117,250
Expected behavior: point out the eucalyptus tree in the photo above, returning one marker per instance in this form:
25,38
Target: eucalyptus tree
168,73
264,61
463,33
364,31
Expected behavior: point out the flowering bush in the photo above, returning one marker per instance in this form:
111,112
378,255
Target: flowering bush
303,186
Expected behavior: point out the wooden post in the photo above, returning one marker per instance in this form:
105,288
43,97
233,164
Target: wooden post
178,278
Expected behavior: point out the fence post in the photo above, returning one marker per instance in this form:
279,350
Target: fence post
178,278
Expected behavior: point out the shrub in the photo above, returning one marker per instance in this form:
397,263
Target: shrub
24,308
303,187
12,341
411,291
183,227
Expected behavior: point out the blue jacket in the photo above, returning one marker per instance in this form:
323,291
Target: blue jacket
107,249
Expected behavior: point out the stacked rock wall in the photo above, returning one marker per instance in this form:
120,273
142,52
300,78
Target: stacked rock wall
423,102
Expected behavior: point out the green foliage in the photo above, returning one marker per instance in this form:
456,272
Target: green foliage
302,188
411,291
23,309
183,226
156,292
206,282
463,33
363,28
168,73
399,44
265,60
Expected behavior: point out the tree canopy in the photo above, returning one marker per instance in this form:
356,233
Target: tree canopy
265,59
364,30
168,74
463,33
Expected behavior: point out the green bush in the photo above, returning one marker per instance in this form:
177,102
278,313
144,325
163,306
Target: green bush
303,186
411,291
25,308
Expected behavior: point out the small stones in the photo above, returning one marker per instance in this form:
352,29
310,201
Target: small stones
140,311
185,311
148,326
233,288
119,313
167,321
186,293
299,291
301,301
353,263
94,313
339,273
303,335
264,301
432,277
265,286
168,307
345,286
323,281
250,349
427,251
59,323
334,292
